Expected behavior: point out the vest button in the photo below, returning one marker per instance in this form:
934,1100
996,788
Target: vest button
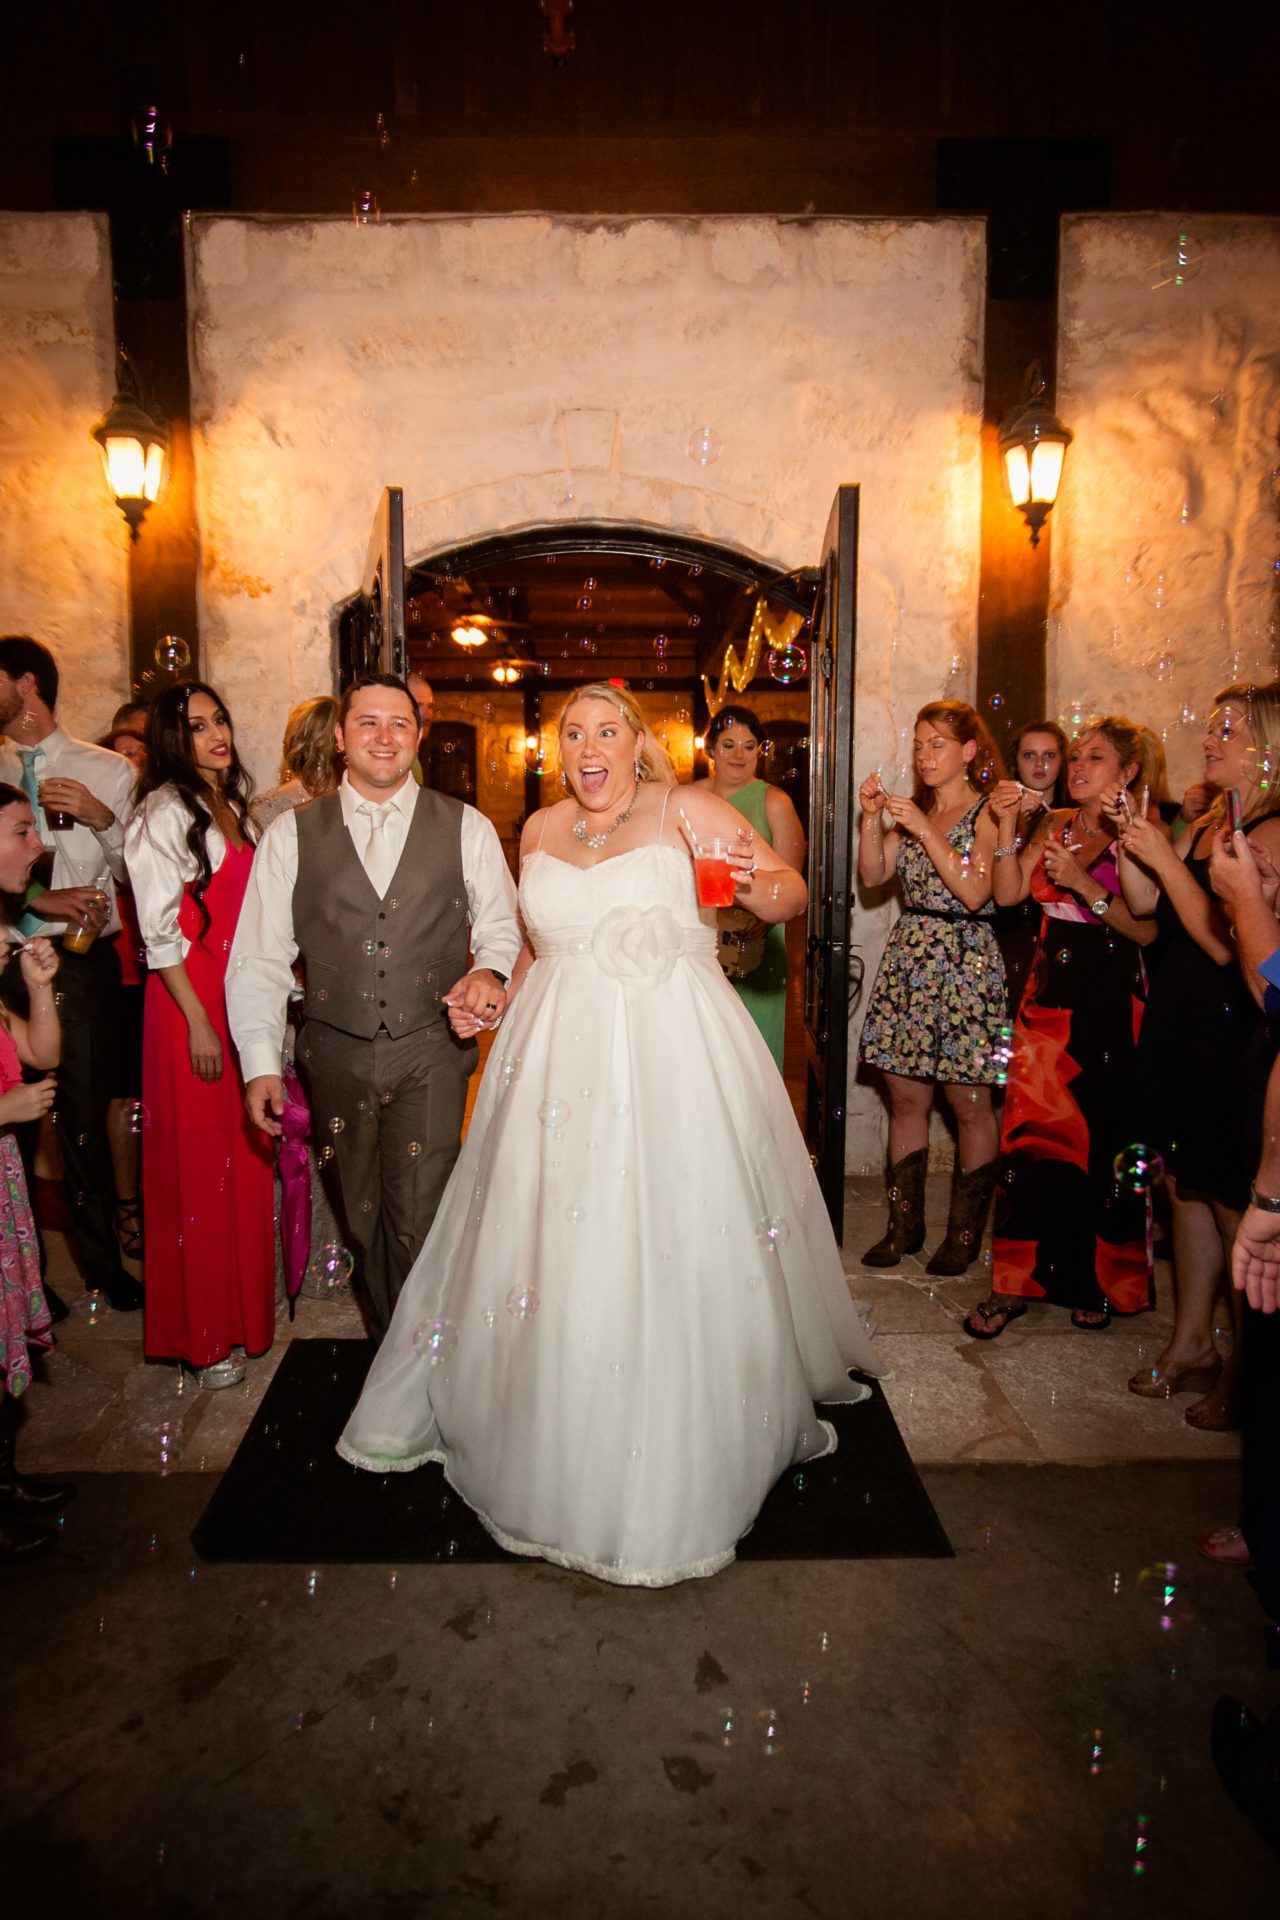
383,1005
382,916
382,973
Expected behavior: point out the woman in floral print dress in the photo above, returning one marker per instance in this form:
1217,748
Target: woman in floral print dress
939,1013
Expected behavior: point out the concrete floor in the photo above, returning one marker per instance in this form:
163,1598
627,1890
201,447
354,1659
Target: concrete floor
1021,1730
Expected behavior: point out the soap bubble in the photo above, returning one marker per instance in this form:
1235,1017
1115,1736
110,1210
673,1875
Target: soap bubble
337,1123
554,1114
523,1302
365,209
414,1149
705,446
511,1065
1157,593
575,1215
436,1341
1161,663
996,702
1181,263
767,1727
787,664
660,644
1137,1168
369,949
332,1266
172,654
773,1232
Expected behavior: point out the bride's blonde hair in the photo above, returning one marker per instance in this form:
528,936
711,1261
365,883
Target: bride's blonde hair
651,761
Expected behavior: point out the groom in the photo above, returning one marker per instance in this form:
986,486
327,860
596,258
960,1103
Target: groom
380,888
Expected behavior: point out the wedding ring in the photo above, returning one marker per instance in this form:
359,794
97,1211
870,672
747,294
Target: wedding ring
491,1006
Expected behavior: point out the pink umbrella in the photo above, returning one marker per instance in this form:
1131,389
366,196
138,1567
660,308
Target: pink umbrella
293,1162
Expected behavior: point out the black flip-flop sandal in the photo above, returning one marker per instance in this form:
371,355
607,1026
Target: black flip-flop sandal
986,1311
1097,1325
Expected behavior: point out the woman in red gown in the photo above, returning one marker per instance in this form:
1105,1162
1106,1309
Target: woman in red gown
206,1187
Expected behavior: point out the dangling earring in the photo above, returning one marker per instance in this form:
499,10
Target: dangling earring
563,778
638,770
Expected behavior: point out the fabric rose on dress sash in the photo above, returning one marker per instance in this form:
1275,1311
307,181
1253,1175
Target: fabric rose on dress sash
638,945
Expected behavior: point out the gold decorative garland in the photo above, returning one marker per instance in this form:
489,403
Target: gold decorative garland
764,635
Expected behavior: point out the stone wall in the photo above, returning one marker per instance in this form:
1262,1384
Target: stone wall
63,544
516,371
1165,540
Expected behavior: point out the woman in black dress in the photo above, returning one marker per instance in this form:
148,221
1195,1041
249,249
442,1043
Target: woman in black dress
1067,1231
1202,1058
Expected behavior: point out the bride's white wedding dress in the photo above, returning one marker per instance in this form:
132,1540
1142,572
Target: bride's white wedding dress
631,1296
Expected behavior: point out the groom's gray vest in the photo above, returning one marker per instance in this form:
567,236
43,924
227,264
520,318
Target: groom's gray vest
374,963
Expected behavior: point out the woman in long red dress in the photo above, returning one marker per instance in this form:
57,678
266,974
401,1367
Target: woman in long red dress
206,1186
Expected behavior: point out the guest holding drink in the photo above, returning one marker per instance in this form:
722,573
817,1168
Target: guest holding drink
206,1182
938,1015
752,954
81,797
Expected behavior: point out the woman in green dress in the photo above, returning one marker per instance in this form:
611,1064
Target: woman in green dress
754,956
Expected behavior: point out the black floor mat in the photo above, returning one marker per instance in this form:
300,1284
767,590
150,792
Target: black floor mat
288,1497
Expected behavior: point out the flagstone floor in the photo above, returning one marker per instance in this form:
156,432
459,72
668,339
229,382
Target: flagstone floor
1042,1392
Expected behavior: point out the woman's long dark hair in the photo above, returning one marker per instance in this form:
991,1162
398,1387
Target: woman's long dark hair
171,763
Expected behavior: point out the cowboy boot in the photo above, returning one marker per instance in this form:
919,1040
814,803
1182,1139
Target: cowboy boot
970,1198
905,1189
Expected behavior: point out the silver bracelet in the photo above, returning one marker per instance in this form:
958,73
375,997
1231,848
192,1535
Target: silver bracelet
1003,852
1266,1202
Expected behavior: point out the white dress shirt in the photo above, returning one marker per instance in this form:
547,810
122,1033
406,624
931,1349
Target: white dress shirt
260,975
161,865
82,856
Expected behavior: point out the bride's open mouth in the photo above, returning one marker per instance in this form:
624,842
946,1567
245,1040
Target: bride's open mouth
593,779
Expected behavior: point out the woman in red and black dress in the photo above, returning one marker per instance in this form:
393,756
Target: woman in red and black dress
1067,1230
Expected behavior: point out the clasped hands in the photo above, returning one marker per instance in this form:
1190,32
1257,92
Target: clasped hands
477,1002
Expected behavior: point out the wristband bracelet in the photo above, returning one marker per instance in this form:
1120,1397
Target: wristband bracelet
1265,1202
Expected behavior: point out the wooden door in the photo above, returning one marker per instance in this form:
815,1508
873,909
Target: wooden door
833,644
374,638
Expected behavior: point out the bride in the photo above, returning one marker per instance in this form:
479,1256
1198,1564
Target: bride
631,1296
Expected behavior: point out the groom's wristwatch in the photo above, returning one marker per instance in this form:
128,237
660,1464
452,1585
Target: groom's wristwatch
503,979
1266,1202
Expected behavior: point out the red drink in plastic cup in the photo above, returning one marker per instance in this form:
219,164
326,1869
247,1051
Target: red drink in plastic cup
713,875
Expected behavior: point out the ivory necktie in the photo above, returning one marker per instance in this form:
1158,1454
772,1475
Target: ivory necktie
377,855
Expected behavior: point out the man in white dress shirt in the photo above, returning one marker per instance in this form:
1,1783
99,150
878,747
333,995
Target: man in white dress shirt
91,792
381,888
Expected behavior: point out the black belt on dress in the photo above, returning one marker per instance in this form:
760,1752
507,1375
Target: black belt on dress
944,913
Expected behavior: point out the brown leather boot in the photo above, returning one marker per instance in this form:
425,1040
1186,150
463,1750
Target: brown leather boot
905,1189
970,1198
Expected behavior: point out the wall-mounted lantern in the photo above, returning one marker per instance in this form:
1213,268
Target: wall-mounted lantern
1033,446
133,450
